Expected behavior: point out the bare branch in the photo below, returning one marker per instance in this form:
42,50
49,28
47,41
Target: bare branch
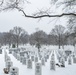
46,15
15,4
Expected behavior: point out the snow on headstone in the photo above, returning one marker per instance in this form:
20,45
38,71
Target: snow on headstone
38,69
14,71
52,62
29,64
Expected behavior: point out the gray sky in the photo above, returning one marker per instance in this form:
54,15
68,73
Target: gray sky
13,18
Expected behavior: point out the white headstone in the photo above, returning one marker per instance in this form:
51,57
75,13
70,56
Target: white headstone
29,63
38,69
52,62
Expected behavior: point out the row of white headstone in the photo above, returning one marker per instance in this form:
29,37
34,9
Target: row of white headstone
38,66
9,66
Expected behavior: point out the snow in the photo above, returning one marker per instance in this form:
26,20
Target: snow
68,70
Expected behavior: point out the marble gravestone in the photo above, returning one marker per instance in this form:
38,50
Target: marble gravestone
29,63
38,69
52,62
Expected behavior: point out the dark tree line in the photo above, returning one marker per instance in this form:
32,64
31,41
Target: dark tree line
57,36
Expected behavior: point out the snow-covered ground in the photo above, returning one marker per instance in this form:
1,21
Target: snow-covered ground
68,70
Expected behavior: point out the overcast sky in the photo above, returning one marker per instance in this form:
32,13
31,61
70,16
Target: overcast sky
10,19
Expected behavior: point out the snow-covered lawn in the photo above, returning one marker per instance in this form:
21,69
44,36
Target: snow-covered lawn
68,70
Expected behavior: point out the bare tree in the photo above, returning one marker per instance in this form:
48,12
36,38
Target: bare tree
38,38
58,31
18,33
